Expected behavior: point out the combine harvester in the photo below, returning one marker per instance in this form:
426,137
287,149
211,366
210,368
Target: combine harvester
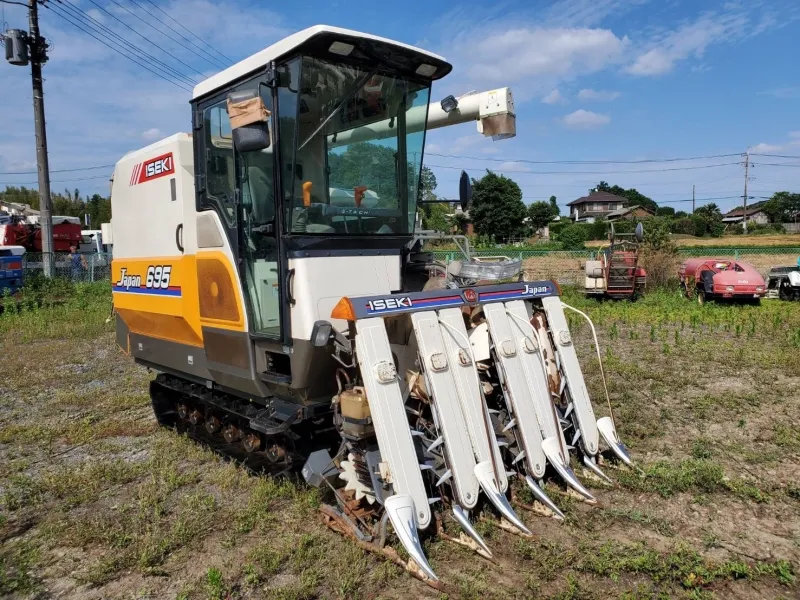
617,274
279,295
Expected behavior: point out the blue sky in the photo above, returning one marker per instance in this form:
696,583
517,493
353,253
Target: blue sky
594,80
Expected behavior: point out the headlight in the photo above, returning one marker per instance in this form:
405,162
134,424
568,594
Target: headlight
729,288
760,288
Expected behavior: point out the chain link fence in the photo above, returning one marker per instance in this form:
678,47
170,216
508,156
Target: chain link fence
79,267
567,266
564,266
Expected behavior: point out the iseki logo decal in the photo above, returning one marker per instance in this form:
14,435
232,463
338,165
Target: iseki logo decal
153,169
388,304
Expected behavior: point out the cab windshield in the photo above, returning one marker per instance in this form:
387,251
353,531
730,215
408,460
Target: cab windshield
356,135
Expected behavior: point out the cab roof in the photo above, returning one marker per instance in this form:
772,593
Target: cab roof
314,37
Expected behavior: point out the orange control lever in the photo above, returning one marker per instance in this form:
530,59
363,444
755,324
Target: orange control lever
358,194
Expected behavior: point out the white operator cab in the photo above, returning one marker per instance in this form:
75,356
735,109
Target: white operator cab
311,218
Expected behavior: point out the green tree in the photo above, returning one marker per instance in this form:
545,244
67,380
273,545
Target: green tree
497,207
633,196
366,164
554,206
540,214
436,217
427,185
572,237
782,207
665,211
708,221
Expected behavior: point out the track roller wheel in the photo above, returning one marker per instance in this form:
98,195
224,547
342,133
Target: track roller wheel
231,433
252,442
195,416
183,411
276,453
213,424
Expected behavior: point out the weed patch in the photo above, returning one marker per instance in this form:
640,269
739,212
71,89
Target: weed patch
691,475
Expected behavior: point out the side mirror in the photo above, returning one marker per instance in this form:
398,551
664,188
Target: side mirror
249,121
611,233
639,232
465,191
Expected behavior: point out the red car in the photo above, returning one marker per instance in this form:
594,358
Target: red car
710,278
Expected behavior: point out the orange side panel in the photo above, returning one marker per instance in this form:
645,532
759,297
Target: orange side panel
164,297
220,302
164,327
158,297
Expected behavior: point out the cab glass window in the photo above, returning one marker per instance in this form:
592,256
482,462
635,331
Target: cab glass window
219,167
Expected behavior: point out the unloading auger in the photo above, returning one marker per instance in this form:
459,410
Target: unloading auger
466,387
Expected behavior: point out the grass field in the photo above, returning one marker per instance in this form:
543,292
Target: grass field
96,501
732,241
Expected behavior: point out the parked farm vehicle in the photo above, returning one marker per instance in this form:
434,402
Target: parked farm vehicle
715,278
617,274
10,269
784,282
15,231
286,327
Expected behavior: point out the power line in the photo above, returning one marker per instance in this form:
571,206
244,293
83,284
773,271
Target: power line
97,27
19,183
148,40
582,162
117,50
760,164
149,24
697,199
57,171
774,155
189,31
588,172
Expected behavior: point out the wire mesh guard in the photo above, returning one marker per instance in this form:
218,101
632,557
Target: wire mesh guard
79,267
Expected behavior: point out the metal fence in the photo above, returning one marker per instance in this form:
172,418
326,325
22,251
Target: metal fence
87,267
567,266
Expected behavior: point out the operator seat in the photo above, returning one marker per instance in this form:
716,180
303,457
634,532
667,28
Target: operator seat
258,194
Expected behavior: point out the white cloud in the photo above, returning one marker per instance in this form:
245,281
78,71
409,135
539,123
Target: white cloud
761,148
151,134
554,97
511,166
783,93
531,59
733,22
598,95
794,134
585,119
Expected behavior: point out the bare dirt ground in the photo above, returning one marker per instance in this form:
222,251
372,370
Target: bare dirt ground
97,501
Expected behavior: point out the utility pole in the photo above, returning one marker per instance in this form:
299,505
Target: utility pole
692,198
746,178
38,47
29,47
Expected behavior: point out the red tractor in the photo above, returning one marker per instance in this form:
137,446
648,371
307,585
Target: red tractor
714,278
16,232
617,274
